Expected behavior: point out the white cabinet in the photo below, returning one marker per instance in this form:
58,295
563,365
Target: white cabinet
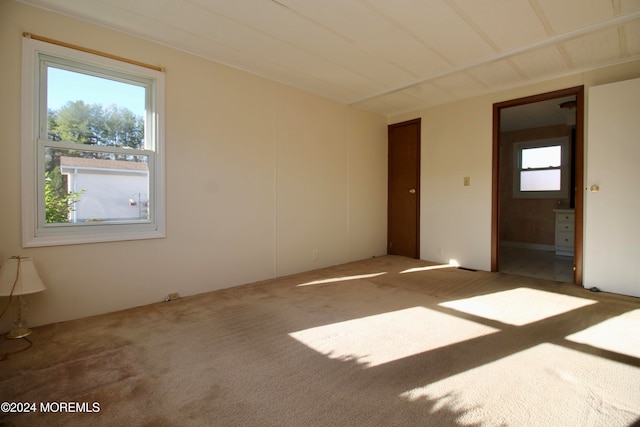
565,223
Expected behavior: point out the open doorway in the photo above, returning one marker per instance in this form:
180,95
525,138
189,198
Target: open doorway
538,165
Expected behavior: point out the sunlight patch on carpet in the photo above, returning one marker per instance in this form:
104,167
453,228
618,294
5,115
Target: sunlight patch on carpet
519,306
382,338
452,264
342,279
590,389
620,334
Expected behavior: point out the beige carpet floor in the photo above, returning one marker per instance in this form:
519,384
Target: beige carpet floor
388,341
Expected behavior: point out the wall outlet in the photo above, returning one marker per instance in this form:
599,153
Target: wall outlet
315,255
172,296
467,181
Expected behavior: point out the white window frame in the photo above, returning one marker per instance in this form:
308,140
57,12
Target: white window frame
563,142
34,140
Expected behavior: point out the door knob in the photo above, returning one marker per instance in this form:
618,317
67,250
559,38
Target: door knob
594,188
412,191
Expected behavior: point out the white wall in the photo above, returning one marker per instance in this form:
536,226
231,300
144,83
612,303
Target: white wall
259,177
455,221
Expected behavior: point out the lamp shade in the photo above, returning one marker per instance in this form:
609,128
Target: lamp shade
21,272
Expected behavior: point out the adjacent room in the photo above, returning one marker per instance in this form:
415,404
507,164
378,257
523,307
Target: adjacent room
362,212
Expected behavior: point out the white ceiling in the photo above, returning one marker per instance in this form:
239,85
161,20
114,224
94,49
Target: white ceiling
385,56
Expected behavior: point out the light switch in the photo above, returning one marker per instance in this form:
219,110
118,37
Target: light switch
467,181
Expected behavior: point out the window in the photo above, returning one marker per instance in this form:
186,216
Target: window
92,157
541,168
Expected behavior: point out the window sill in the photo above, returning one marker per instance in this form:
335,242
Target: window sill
77,238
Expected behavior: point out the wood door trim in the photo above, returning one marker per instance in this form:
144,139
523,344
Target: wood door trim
417,122
578,91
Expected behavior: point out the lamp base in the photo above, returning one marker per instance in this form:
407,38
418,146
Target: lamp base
18,332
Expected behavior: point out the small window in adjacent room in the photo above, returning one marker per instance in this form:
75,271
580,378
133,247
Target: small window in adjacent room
92,148
541,168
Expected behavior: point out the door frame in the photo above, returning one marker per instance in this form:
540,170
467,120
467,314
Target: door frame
578,91
418,122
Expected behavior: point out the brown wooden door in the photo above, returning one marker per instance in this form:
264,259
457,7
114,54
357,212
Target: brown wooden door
404,189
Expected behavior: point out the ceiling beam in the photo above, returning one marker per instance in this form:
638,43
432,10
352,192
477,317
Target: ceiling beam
559,38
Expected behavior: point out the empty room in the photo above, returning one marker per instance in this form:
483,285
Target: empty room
298,212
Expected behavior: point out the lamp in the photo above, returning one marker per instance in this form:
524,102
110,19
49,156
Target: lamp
18,276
